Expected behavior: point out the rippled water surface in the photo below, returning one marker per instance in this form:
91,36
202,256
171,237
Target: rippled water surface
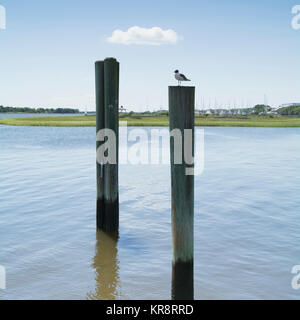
247,218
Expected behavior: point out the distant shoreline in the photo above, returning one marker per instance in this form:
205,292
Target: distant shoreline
42,113
156,121
27,110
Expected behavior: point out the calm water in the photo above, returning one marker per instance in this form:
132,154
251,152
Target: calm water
247,226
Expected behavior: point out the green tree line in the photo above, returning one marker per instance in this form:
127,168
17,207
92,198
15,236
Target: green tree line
36,110
289,111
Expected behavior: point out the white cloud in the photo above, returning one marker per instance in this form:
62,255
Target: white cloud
2,17
142,36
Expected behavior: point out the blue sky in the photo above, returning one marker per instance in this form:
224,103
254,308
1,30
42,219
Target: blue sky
234,51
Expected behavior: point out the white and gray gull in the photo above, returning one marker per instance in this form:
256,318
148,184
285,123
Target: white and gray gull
180,77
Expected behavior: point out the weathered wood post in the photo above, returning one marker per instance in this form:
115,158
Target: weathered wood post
111,172
99,73
181,114
107,90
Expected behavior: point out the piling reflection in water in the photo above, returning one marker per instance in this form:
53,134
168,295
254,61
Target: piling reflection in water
106,265
183,280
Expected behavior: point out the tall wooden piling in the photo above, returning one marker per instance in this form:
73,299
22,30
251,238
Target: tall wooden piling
99,73
107,90
181,114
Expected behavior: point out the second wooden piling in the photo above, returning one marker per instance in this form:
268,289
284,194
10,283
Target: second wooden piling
111,172
181,114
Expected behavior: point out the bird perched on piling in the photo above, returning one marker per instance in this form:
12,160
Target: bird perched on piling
180,77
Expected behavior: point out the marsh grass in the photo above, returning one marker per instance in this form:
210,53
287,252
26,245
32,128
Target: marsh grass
162,120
